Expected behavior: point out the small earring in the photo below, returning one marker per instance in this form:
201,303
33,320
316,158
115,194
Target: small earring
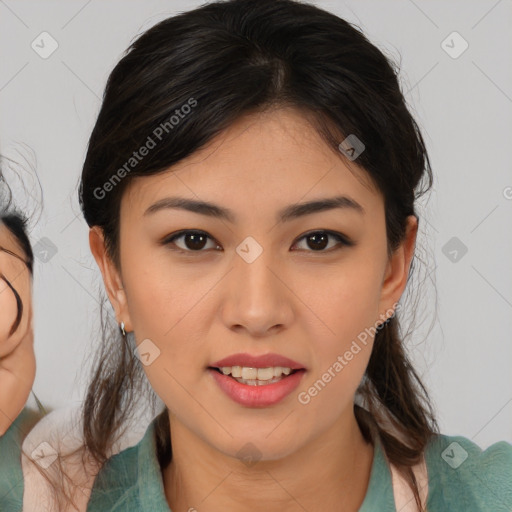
121,327
384,324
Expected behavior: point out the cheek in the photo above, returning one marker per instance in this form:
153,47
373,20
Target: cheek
166,313
178,374
161,296
340,357
166,320
345,304
340,303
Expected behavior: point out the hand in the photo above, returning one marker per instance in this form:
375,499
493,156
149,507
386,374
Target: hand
17,356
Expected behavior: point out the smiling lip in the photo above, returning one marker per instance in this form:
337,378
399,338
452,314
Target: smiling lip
264,361
257,396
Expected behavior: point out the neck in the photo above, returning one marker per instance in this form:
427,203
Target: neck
329,473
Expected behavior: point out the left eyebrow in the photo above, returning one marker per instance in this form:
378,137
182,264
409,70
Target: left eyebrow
288,213
13,254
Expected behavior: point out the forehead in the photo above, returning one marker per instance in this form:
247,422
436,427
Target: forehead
258,161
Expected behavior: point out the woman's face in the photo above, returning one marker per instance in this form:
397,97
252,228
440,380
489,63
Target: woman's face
14,270
256,284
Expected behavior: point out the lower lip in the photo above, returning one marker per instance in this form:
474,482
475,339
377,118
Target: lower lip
257,396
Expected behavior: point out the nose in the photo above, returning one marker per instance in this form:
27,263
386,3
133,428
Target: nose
257,297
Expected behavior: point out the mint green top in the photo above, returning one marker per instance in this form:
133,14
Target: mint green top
461,476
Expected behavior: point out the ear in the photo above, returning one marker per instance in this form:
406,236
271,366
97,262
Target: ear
397,269
111,277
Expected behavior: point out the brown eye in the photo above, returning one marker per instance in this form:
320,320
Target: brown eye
317,241
192,241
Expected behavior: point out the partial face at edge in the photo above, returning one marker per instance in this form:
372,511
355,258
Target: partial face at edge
14,270
304,297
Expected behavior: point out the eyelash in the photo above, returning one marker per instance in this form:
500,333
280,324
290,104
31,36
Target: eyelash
342,239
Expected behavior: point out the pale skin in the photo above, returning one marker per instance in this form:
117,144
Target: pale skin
305,303
17,357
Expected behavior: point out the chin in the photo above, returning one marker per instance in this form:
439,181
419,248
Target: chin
250,449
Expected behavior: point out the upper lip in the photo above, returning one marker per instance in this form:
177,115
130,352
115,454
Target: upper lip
263,361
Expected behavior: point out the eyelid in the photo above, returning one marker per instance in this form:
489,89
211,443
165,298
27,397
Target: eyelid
343,239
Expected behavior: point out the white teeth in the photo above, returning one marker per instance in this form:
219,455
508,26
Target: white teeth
265,373
248,373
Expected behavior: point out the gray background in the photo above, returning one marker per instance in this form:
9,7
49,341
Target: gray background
462,346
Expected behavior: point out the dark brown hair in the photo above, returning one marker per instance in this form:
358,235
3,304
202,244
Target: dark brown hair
227,59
